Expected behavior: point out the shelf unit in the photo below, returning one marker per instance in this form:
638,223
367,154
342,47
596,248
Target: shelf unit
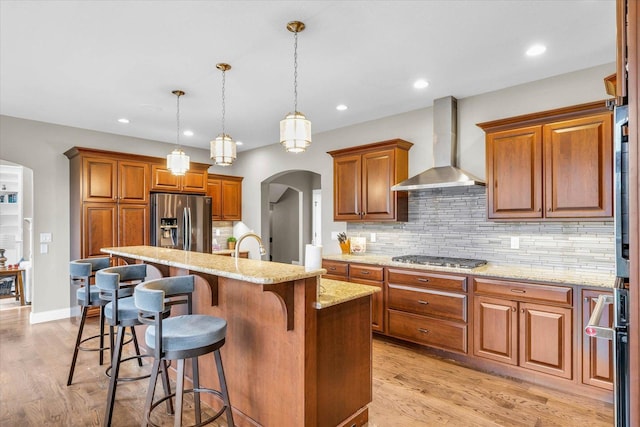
11,208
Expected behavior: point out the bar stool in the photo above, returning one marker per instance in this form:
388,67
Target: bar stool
81,271
179,338
116,286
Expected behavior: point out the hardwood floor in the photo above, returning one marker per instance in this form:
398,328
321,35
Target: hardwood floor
410,388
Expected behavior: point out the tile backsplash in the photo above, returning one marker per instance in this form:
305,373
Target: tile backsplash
452,222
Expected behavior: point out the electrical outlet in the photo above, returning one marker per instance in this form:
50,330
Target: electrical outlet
515,242
372,238
44,248
217,231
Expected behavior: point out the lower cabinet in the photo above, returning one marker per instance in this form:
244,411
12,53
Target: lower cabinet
597,354
535,335
427,308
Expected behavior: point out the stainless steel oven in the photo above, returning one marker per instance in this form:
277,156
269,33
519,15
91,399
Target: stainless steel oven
618,331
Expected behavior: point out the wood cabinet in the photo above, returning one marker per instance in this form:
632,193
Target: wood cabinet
551,165
522,324
362,181
427,308
193,181
597,354
226,195
110,197
366,275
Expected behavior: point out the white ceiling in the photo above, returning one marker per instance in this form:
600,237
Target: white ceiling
88,63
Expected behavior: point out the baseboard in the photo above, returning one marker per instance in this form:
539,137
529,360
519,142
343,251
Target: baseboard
48,316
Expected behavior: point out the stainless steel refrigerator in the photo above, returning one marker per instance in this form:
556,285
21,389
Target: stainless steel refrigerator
181,221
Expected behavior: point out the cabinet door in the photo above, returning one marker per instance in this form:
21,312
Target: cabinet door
578,167
194,181
163,180
133,182
514,173
100,228
347,186
495,326
99,180
546,339
214,190
378,201
597,354
133,225
231,200
377,304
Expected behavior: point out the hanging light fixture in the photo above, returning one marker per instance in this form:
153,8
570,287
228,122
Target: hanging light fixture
178,161
223,148
295,129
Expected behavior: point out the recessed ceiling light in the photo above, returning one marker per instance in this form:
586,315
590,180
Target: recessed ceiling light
420,84
536,49
341,107
123,120
188,133
238,142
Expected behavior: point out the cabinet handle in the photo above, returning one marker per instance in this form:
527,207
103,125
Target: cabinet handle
539,209
423,302
586,299
519,291
522,310
422,279
365,272
513,309
423,331
332,268
548,209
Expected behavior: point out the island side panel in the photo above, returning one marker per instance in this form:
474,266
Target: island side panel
344,361
271,372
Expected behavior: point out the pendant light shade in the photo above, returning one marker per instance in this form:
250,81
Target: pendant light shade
177,160
295,132
295,129
223,148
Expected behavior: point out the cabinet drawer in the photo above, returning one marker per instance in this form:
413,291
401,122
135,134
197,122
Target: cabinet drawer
427,302
336,268
523,291
432,280
424,330
368,272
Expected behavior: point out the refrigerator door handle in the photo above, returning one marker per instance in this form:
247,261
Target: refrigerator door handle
593,328
186,227
189,229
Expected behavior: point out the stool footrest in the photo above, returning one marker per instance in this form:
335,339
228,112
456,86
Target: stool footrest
107,372
105,335
191,390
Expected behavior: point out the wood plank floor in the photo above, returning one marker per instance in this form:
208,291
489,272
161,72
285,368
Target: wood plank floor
410,388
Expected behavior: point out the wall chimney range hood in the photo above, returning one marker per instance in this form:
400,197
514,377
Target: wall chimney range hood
444,173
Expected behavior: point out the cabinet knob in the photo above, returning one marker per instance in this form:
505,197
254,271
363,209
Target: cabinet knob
513,309
548,209
539,209
423,331
522,310
586,299
423,302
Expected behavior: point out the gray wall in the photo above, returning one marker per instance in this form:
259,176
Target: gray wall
40,146
285,228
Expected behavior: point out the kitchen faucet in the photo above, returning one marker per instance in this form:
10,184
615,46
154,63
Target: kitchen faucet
263,251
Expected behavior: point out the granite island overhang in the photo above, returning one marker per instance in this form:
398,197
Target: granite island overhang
298,347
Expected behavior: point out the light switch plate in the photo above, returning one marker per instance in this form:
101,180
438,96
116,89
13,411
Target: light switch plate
45,238
44,248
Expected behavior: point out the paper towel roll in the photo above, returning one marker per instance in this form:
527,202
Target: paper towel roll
313,257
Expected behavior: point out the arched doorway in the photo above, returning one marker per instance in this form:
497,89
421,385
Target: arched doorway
16,222
289,218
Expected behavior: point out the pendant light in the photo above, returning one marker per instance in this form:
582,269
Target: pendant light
295,129
223,148
178,161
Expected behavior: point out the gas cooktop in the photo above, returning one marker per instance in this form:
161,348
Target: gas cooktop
440,261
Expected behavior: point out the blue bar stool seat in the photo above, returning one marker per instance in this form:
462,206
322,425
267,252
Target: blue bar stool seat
180,337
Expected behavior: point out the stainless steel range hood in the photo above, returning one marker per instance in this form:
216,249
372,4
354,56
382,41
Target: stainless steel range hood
444,173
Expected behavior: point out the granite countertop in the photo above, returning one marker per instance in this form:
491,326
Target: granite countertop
334,292
248,270
541,274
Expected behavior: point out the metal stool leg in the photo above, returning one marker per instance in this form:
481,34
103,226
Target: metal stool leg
75,351
196,386
113,382
223,388
150,392
167,386
179,394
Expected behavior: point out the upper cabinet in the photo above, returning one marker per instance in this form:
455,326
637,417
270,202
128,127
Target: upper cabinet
114,180
193,181
551,165
226,194
362,181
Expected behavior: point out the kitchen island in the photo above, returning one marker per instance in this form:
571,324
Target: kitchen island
298,347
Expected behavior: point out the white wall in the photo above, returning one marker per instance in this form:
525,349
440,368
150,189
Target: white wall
40,146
